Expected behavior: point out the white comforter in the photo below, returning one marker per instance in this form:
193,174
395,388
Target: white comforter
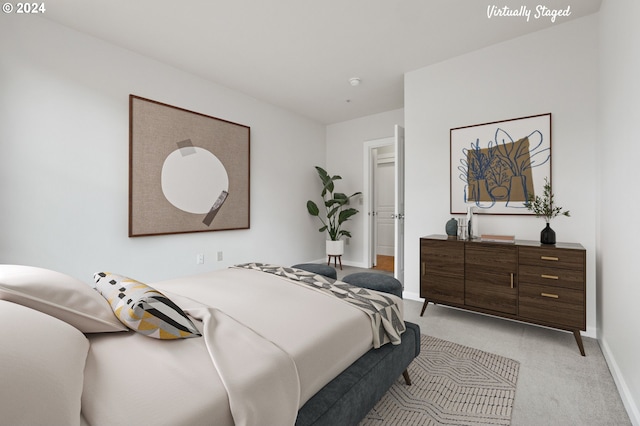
132,379
260,379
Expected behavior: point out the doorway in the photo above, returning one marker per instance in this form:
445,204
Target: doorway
383,199
384,196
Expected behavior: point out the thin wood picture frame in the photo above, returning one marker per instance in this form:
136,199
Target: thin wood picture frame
496,166
188,172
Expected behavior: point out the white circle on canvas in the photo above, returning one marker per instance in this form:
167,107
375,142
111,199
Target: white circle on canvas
193,182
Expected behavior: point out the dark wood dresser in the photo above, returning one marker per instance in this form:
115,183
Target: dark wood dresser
525,281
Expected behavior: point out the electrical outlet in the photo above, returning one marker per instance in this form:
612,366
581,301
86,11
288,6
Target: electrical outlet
200,259
219,256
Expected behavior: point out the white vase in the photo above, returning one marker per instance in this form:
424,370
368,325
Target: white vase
335,248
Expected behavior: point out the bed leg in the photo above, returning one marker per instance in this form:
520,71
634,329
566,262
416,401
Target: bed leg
407,379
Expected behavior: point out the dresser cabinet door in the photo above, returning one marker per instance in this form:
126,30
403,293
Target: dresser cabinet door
442,271
490,277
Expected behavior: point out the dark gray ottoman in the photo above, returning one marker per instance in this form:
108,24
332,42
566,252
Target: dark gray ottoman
375,281
318,268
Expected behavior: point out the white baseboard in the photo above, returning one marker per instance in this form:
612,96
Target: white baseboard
354,264
627,398
411,296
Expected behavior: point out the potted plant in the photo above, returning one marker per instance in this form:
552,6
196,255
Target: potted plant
336,212
545,207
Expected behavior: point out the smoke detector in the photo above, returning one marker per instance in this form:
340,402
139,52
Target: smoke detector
355,81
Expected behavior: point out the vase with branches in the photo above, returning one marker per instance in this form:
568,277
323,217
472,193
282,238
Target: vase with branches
546,208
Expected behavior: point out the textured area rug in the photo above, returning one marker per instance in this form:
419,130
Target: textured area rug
451,385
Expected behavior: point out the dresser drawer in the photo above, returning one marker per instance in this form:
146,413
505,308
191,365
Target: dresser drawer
553,277
553,305
553,257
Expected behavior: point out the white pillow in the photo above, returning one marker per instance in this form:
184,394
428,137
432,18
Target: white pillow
42,368
58,295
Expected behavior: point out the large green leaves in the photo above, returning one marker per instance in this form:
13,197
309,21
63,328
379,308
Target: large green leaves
334,203
312,208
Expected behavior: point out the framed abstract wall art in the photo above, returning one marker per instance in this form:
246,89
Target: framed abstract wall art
188,172
496,166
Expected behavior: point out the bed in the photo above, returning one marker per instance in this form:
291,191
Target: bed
249,345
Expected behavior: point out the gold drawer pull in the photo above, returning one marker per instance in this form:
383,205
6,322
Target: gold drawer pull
553,296
550,277
549,258
512,280
424,269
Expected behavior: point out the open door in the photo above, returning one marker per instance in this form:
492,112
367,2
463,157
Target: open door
373,214
399,205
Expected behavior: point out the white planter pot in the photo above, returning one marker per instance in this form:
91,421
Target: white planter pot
335,248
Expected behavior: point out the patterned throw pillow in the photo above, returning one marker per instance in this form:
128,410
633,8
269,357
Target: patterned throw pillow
143,308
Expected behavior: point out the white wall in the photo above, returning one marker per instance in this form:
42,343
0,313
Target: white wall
585,73
554,71
64,160
618,289
345,144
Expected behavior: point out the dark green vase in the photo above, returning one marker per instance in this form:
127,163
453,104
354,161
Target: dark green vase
548,235
452,227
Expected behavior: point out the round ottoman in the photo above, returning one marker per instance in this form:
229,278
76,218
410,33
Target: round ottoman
375,281
318,268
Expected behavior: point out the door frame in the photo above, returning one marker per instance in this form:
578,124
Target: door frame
369,167
399,204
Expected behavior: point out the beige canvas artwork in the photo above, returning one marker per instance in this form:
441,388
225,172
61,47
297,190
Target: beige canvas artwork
189,172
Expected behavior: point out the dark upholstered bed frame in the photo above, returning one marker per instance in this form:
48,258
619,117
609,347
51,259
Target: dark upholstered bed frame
348,398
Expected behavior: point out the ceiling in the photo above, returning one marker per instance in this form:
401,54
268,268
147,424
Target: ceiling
300,54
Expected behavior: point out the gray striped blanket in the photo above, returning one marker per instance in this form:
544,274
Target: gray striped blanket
385,314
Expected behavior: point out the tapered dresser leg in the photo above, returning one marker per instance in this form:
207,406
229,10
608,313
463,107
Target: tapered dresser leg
424,306
576,334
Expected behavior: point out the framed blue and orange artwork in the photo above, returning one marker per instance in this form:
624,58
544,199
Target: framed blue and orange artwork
496,166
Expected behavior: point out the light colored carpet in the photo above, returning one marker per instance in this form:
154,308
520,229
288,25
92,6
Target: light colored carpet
556,386
452,385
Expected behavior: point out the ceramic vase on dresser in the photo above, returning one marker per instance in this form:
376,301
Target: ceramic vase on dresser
548,235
